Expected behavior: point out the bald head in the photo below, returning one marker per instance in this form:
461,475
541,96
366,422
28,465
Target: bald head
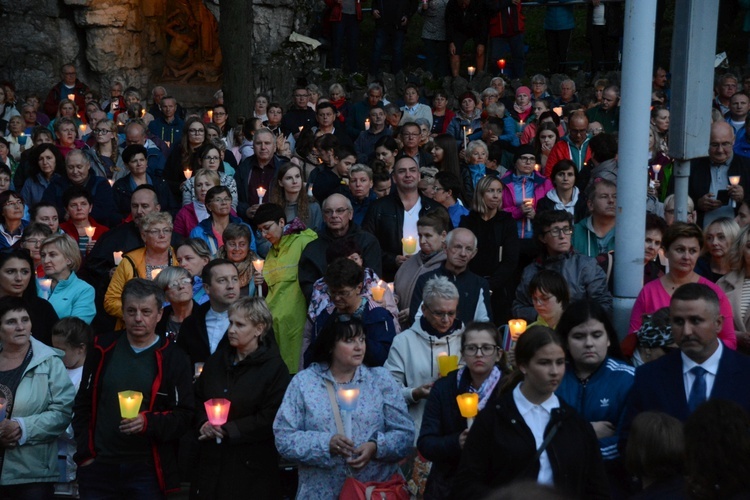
578,127
721,143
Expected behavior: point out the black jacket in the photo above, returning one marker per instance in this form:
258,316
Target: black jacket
501,449
385,220
246,460
167,418
247,169
193,337
312,262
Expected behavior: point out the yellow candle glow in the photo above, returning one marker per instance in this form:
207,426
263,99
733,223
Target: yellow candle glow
188,173
155,273
536,168
90,231
378,291
446,363
198,369
82,127
409,245
734,180
143,113
517,327
468,404
210,114
558,110
471,70
130,403
521,123
71,97
367,124
261,192
258,265
301,127
656,168
45,283
117,256
111,182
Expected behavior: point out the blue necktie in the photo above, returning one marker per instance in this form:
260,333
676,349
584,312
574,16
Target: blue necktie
698,391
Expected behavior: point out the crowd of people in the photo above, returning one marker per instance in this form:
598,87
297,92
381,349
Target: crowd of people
338,273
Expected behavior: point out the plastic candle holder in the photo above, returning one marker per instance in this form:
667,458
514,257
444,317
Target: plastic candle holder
446,363
217,411
130,403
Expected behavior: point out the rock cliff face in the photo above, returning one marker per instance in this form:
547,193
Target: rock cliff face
141,43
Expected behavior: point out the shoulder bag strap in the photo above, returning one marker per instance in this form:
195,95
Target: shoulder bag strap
547,440
335,406
135,268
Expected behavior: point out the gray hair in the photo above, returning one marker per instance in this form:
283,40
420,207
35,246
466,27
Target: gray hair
148,220
347,202
539,78
139,288
374,86
255,310
359,167
477,144
488,92
263,131
497,79
170,274
79,152
452,234
422,121
439,287
496,109
573,83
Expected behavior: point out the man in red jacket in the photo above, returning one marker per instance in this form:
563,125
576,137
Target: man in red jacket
70,85
506,34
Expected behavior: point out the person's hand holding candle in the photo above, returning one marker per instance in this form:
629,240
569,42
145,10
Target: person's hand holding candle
132,425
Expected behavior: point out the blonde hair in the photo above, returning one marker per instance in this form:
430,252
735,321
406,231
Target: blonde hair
67,246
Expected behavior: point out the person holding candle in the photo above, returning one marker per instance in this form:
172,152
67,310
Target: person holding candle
444,431
77,172
68,294
38,400
155,255
291,197
178,290
12,222
305,429
68,86
714,261
31,241
466,125
79,224
250,373
522,190
133,457
596,372
210,159
219,208
236,249
135,157
183,153
256,171
17,139
191,214
513,438
43,161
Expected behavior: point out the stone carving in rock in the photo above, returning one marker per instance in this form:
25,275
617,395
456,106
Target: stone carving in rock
192,42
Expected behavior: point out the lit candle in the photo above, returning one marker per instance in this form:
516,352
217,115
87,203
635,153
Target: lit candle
45,284
82,128
468,405
558,110
501,65
155,273
111,182
188,173
90,231
258,265
348,397
517,327
301,127
656,168
465,138
734,180
130,403
210,114
536,168
169,144
378,291
143,113
409,245
71,97
261,193
309,191
390,287
217,411
521,123
198,369
367,124
446,363
529,202
117,256
22,139
471,70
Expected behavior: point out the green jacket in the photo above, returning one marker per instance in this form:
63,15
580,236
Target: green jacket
586,242
43,407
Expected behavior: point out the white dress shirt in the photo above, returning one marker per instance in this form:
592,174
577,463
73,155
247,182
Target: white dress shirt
711,365
217,324
537,417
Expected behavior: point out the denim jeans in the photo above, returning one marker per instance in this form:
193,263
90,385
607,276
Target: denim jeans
500,47
346,35
382,36
100,481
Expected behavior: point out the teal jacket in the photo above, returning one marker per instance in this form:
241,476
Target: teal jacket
586,242
72,297
43,408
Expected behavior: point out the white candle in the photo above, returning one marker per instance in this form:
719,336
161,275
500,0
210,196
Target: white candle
90,231
367,124
117,256
261,193
188,173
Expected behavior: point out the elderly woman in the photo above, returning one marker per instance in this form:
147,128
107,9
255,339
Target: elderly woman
522,110
493,229
181,157
18,141
280,275
412,359
77,172
11,218
444,431
345,289
714,261
210,159
466,125
146,262
219,207
733,283
250,373
33,235
306,426
682,243
191,214
476,168
39,405
178,289
43,162
68,294
292,197
236,249
103,154
193,255
78,211
135,157
522,189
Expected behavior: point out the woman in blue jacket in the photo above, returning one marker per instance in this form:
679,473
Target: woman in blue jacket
219,208
68,294
597,384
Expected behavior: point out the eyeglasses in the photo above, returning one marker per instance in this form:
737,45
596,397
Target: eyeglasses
219,113
102,131
483,350
33,242
339,211
236,245
14,204
164,232
527,159
341,294
222,201
299,96
212,158
557,231
441,314
178,283
196,131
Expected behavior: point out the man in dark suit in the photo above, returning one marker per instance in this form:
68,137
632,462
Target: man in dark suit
701,369
710,183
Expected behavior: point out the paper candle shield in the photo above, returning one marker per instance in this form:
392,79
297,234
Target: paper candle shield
130,403
447,364
468,404
217,410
